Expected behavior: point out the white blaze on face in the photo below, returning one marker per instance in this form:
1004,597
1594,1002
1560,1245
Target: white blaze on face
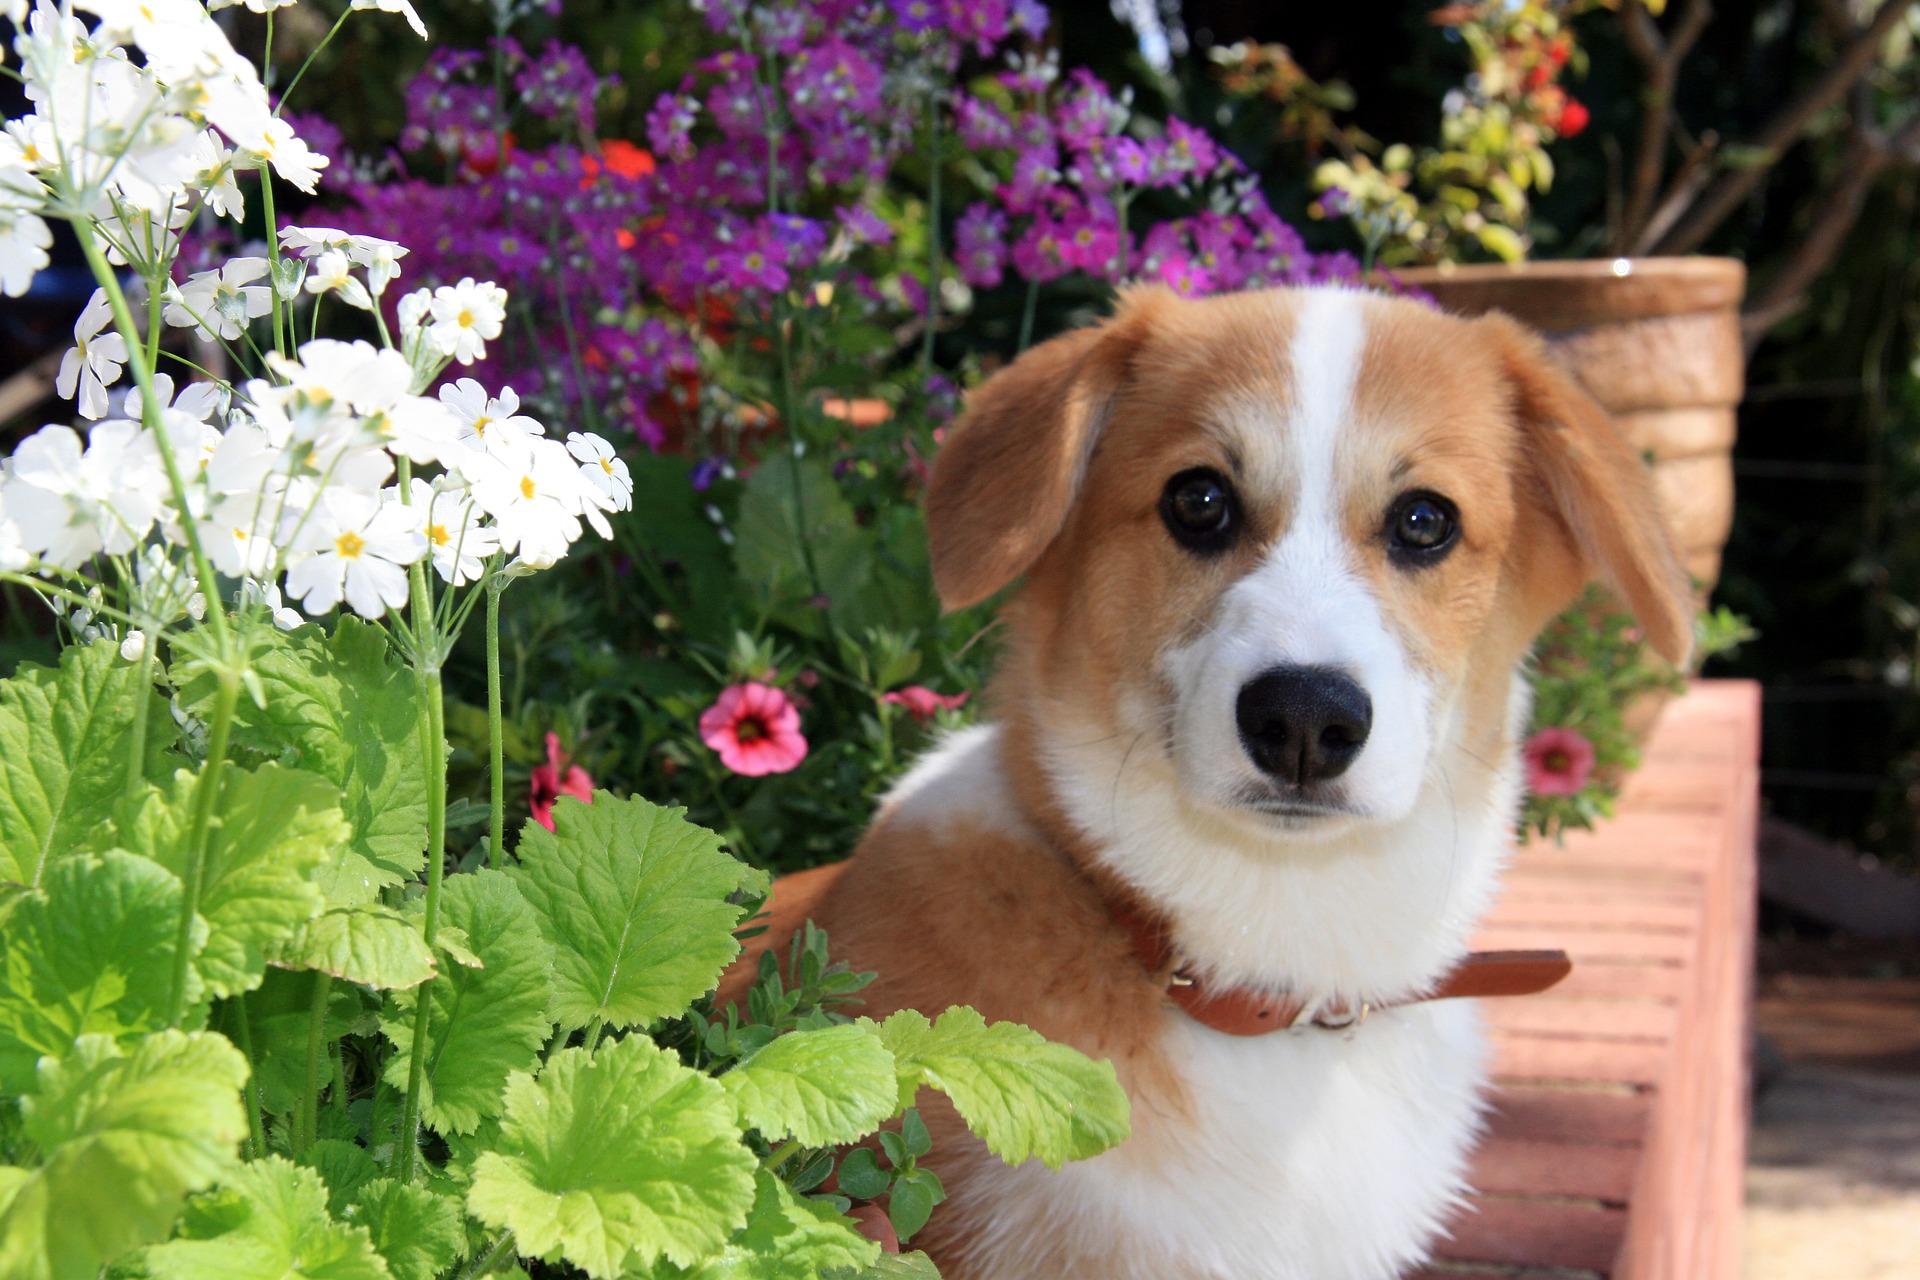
1307,604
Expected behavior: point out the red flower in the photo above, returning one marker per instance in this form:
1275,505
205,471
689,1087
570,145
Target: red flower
755,729
1559,762
1573,118
923,703
559,776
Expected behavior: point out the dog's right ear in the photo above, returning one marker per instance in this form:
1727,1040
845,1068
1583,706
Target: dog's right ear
1010,469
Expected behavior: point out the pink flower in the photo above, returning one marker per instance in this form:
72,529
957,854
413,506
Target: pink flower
1559,762
755,729
559,776
923,703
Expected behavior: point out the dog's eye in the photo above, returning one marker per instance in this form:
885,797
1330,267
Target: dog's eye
1199,510
1421,528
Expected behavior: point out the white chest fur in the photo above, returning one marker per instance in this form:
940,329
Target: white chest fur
1309,1156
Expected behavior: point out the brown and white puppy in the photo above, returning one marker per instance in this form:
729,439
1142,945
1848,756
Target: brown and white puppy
1285,554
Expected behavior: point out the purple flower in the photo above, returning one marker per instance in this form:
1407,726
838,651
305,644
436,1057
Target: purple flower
1040,252
706,471
980,245
797,241
863,225
981,125
749,267
559,83
670,125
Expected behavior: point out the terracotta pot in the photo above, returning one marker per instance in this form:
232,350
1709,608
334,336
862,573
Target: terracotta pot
1654,340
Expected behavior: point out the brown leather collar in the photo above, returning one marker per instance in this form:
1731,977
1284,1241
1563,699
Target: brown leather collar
1239,1011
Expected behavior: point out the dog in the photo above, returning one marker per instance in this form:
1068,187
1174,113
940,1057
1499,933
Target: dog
1253,755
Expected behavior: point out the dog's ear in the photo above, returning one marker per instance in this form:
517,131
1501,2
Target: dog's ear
1593,482
1010,469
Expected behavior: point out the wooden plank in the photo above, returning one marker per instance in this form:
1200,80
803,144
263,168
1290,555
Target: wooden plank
1540,1233
1587,1117
1575,1170
1524,1057
1645,1020
1662,946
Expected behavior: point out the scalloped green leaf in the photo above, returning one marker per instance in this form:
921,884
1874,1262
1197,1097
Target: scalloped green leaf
419,1232
823,1086
343,708
485,1022
372,945
633,898
63,752
614,1159
275,827
124,1137
1025,1096
788,1237
90,951
286,1234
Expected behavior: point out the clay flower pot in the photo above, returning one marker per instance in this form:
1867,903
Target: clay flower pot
1657,342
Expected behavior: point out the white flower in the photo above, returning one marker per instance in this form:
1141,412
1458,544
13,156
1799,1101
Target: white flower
465,317
362,550
458,541
198,400
24,241
356,375
604,470
217,175
332,271
258,6
268,595
165,590
226,298
379,257
488,422
95,361
395,6
532,491
14,555
71,506
134,647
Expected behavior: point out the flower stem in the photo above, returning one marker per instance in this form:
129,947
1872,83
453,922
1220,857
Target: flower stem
206,798
280,338
255,1126
496,753
428,653
492,1258
142,700
1026,314
306,1125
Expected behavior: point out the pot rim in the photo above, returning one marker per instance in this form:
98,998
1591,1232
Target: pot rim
1576,293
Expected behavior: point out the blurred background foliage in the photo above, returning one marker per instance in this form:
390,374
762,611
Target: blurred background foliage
1825,555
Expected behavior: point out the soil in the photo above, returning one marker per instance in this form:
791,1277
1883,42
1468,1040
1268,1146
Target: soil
1833,1167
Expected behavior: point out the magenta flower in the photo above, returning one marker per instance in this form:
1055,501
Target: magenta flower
756,730
923,703
1559,762
559,776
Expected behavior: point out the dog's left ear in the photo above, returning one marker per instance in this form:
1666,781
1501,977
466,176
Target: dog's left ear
1010,469
1597,487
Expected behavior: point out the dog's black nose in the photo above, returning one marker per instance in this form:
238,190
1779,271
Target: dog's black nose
1303,724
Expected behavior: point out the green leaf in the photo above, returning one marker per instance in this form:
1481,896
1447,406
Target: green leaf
63,752
286,1236
788,1237
826,1086
124,1137
485,1022
861,1175
1024,1096
343,709
279,1017
634,899
90,951
274,829
789,505
418,1232
901,1266
613,1159
371,945
344,1166
910,1205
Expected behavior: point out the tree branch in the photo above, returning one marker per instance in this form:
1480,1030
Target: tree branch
1660,57
1720,199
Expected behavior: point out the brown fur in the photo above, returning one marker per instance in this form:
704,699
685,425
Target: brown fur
1055,472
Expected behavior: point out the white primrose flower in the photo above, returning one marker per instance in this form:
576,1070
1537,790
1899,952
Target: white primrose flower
14,555
457,539
372,383
277,144
267,595
332,272
95,361
71,505
24,241
198,400
225,298
217,176
488,422
257,6
164,589
465,317
533,492
134,647
604,470
379,257
360,553
401,7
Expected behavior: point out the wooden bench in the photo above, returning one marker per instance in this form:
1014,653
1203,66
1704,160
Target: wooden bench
1617,1137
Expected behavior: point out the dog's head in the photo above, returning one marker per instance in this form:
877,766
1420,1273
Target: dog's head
1293,543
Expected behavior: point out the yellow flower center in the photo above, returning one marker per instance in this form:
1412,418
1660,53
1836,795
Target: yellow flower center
480,425
438,535
526,486
606,465
464,319
349,545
